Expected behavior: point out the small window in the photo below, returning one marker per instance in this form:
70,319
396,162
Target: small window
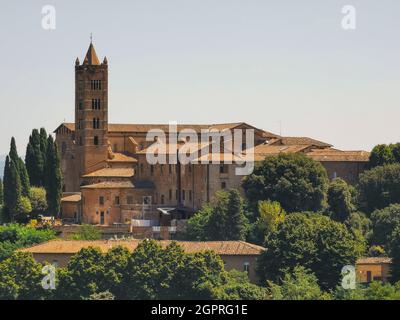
190,195
246,267
170,168
223,168
162,199
96,141
151,169
80,105
101,200
116,201
170,194
141,168
183,195
223,185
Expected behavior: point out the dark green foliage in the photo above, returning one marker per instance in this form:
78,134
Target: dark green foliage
1,193
311,240
150,272
35,158
296,181
12,189
53,181
14,236
394,250
238,287
20,278
340,200
300,284
224,219
381,155
380,187
23,174
358,222
385,222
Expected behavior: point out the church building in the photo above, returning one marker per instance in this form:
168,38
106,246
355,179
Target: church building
109,182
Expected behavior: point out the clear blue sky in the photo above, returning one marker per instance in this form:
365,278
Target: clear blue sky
208,61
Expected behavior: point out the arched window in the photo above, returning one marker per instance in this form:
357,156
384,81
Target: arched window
94,123
96,140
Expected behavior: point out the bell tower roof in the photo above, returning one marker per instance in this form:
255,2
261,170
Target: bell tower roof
91,56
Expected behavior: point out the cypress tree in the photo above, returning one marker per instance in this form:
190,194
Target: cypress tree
53,178
35,159
24,177
13,151
236,221
43,150
1,192
12,188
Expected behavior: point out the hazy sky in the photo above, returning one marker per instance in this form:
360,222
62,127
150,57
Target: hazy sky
209,61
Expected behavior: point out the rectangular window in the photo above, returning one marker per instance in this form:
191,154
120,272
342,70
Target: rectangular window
246,267
223,168
183,195
95,85
190,195
101,200
151,169
170,194
170,168
223,185
116,201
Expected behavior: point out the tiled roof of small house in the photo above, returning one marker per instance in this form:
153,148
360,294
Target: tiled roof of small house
219,247
290,141
120,157
110,185
374,260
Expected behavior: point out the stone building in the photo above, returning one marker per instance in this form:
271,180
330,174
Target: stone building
108,179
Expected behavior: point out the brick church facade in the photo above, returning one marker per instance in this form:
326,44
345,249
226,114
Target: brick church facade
108,180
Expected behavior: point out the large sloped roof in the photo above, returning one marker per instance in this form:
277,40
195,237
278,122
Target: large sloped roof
219,247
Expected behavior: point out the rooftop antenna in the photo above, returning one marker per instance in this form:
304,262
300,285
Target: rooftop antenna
280,127
91,37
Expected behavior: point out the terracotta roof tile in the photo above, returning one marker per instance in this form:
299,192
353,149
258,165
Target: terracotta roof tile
374,260
112,172
110,185
120,157
71,198
219,247
290,141
338,155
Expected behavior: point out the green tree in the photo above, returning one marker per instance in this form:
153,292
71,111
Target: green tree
381,155
115,266
37,196
227,221
1,193
396,152
358,222
86,232
223,219
83,277
23,174
384,222
296,181
270,215
20,278
238,287
300,284
340,200
380,187
196,228
311,240
12,189
53,178
35,158
394,250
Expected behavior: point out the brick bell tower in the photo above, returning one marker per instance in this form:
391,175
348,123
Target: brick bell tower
91,112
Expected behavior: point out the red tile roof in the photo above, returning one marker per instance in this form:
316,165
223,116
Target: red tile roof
219,247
